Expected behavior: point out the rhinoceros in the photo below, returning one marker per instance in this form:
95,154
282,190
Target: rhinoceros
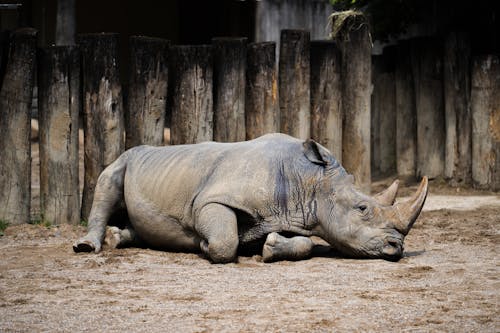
271,194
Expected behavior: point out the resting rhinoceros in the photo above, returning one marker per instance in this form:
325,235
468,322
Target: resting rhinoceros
221,197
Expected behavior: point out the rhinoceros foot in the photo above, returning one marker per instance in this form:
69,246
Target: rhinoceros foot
278,247
113,237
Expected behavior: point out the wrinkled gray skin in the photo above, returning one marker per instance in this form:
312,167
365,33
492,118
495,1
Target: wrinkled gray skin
221,197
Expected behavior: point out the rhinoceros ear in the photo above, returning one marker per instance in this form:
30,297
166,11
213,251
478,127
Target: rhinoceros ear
316,153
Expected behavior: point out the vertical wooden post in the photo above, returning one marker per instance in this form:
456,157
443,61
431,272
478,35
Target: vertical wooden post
485,102
428,75
15,146
58,107
456,72
294,81
147,92
102,108
352,33
375,115
326,96
230,57
261,101
192,100
66,22
385,88
4,51
406,121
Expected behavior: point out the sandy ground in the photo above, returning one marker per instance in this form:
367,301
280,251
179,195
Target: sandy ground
447,281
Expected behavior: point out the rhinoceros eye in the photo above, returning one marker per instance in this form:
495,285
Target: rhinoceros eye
362,208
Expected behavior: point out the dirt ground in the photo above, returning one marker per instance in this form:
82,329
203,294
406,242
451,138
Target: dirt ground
447,281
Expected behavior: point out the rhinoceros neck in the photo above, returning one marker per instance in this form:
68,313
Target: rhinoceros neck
294,202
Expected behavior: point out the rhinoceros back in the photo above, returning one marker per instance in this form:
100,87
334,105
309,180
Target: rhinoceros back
178,180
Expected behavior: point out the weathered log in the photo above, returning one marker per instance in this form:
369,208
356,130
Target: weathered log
456,77
4,51
15,128
147,91
326,96
192,100
352,33
294,83
406,121
230,57
102,107
66,22
261,101
58,108
375,116
385,104
485,102
427,64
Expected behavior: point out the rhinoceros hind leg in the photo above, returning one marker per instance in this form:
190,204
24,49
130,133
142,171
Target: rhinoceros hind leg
107,197
278,247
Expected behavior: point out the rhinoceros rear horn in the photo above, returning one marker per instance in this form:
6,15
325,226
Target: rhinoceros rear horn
408,211
388,196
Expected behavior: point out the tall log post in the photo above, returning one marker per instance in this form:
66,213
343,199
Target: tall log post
485,102
326,96
66,22
427,66
192,100
406,120
102,108
385,88
147,91
375,115
458,162
15,146
294,81
58,108
352,33
261,101
4,51
230,56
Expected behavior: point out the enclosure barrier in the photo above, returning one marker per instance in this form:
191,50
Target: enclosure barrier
230,57
352,34
102,109
15,115
147,91
419,116
294,82
261,101
59,105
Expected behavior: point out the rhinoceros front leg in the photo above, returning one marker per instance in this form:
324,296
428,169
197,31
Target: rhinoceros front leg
278,247
217,226
108,194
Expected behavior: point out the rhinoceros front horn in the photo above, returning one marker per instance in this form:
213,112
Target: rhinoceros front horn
408,211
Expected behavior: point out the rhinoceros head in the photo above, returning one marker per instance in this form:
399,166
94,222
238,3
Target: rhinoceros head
356,224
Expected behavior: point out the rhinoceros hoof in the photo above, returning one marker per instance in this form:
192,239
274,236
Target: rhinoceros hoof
86,245
83,246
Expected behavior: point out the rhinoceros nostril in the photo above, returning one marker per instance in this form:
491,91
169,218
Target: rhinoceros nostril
393,244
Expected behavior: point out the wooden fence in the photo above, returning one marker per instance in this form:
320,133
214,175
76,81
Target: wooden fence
435,112
233,91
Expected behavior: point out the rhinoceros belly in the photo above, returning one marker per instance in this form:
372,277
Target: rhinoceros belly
158,229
